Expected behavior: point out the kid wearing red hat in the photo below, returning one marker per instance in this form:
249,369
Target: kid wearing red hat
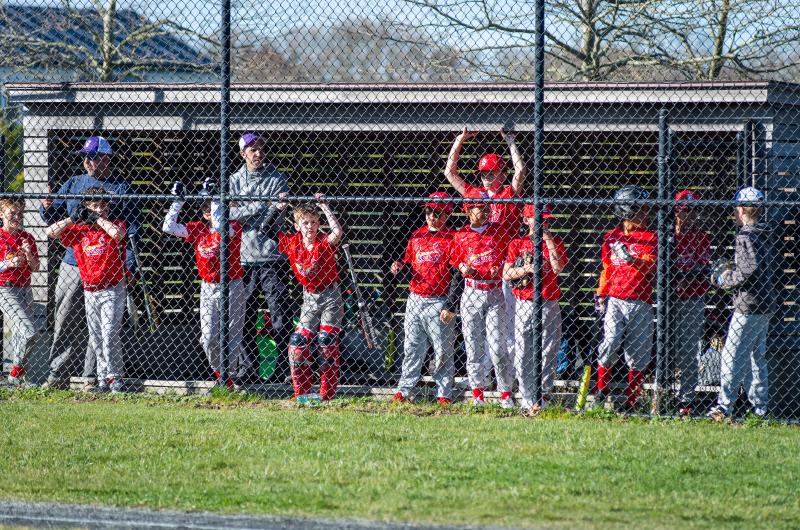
432,302
692,255
554,255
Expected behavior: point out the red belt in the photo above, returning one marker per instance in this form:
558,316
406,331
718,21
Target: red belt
485,285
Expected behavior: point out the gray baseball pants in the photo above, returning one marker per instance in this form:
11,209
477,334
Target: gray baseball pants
744,360
209,322
483,319
70,331
323,308
16,303
524,359
633,321
104,311
422,327
687,335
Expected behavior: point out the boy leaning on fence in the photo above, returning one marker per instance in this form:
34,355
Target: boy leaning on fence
99,246
432,302
518,270
312,255
751,278
204,235
18,258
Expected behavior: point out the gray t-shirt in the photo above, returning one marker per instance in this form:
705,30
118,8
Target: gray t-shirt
753,276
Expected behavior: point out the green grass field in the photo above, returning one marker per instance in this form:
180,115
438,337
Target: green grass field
375,460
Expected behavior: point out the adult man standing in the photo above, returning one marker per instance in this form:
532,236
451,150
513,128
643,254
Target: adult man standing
265,268
70,333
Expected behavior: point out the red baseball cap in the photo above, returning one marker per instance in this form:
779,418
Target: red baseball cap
475,194
547,211
446,207
491,162
686,195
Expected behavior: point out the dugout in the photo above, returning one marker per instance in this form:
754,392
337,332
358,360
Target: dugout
393,140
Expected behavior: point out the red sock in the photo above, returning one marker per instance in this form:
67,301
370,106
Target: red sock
505,395
216,374
477,393
17,370
635,380
603,378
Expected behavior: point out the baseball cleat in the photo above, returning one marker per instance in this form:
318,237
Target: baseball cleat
478,402
443,402
309,400
599,399
685,410
116,386
507,403
761,412
718,413
399,397
55,383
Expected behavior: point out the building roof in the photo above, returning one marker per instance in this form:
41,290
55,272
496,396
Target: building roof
74,27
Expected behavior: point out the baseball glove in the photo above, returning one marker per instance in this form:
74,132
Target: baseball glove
718,269
522,260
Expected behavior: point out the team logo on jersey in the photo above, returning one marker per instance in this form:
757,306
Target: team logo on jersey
307,270
434,255
208,249
93,250
487,256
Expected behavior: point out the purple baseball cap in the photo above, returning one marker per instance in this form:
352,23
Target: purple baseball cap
95,145
247,139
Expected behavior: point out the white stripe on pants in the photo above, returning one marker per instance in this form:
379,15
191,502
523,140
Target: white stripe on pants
523,349
483,319
104,310
422,327
16,304
744,360
209,322
687,335
633,321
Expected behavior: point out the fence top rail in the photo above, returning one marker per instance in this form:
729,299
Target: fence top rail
403,200
749,92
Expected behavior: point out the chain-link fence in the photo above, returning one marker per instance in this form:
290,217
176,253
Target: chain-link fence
319,199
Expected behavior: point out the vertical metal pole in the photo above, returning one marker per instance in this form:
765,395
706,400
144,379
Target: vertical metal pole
745,155
538,187
665,236
225,123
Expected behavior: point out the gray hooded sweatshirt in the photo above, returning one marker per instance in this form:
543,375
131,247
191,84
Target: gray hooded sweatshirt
753,276
257,247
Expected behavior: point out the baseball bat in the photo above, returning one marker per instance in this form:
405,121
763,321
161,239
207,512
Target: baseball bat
148,303
364,317
584,388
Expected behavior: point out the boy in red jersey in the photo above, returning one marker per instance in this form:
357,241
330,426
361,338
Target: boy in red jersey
99,246
624,296
554,259
205,237
478,252
431,305
312,255
18,258
692,255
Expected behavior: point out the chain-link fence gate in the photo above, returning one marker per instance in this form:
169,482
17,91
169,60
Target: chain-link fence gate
451,227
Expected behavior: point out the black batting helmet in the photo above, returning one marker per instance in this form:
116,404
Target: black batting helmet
628,193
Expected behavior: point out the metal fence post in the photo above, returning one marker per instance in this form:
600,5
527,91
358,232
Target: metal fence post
224,134
665,238
538,187
744,155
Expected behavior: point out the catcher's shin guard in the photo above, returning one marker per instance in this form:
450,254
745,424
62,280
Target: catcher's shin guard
328,341
300,360
635,380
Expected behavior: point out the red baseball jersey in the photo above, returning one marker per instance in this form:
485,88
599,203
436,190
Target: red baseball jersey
428,253
508,215
315,269
624,280
101,260
692,251
483,251
550,288
11,247
206,250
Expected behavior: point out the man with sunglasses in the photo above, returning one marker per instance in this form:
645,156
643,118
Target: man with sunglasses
70,333
432,302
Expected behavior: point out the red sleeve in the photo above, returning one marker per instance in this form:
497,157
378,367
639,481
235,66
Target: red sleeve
194,230
602,288
30,239
513,251
70,235
469,188
284,242
409,257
